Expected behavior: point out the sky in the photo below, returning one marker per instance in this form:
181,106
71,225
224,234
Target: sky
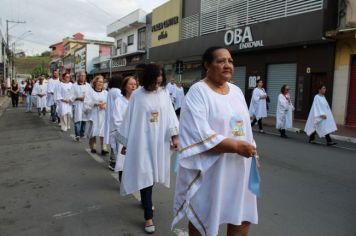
49,21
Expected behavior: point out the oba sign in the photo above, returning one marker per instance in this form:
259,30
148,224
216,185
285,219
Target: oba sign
241,37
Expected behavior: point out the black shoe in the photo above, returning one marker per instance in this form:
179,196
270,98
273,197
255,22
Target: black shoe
330,143
93,150
312,141
103,152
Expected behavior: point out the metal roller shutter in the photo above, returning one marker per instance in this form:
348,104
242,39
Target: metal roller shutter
351,106
277,75
239,77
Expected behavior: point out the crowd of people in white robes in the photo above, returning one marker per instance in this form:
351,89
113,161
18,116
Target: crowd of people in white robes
142,120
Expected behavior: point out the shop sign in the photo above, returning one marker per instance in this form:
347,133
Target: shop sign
163,35
242,37
252,81
165,24
79,60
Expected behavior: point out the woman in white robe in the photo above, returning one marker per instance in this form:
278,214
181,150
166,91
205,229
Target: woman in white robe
320,119
63,95
258,105
95,105
284,113
179,98
80,89
129,85
148,129
40,91
215,137
109,125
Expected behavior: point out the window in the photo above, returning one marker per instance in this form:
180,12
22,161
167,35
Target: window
130,40
141,44
119,44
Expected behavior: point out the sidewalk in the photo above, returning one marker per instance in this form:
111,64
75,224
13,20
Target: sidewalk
4,103
344,133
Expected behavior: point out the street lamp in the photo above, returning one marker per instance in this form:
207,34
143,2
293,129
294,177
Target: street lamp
22,36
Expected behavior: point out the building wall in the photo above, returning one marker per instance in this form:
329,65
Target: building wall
344,49
132,48
172,8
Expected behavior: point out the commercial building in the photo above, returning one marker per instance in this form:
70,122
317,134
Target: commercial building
130,47
281,42
344,91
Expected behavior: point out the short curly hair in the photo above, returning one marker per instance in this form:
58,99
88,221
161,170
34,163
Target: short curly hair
150,75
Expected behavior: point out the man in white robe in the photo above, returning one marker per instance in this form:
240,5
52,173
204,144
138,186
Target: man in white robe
320,119
179,98
40,91
51,88
172,88
80,89
212,188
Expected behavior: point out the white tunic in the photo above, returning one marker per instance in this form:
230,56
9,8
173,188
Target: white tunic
315,122
119,111
212,189
171,88
38,89
64,91
96,116
113,94
51,87
78,91
284,113
258,106
146,131
179,98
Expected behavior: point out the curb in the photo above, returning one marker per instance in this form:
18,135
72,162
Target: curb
3,105
333,136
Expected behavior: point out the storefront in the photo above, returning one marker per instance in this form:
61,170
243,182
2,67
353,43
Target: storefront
279,51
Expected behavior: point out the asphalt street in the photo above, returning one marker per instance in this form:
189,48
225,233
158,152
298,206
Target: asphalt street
51,185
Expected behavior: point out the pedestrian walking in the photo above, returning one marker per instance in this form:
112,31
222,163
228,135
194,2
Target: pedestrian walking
80,90
179,98
51,88
28,92
22,94
129,85
258,105
3,87
171,87
63,97
40,90
148,129
216,141
110,125
320,120
95,105
14,91
284,113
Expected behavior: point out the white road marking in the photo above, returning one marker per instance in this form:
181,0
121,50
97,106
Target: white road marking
74,213
180,232
95,156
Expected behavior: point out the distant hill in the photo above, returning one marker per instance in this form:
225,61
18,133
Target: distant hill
24,65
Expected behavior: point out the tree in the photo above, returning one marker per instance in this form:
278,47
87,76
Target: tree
38,70
46,53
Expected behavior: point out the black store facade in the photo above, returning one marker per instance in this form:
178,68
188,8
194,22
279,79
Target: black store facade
291,50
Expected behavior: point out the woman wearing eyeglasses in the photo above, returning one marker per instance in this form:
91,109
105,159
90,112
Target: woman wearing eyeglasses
284,114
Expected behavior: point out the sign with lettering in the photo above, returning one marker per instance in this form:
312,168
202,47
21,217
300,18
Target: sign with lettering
242,37
165,24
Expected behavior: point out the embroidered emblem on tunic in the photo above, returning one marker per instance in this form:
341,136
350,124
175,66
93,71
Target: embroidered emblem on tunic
154,116
237,125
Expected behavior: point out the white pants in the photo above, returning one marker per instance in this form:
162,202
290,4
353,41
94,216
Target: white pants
65,122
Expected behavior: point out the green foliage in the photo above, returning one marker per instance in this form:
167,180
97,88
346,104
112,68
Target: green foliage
38,70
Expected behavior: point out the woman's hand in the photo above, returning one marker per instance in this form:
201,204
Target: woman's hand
245,149
175,142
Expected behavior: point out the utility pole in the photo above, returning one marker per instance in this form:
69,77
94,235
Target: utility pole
7,43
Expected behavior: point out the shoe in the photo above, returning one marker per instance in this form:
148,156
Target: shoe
312,141
93,150
261,131
111,166
103,152
150,229
330,144
77,138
